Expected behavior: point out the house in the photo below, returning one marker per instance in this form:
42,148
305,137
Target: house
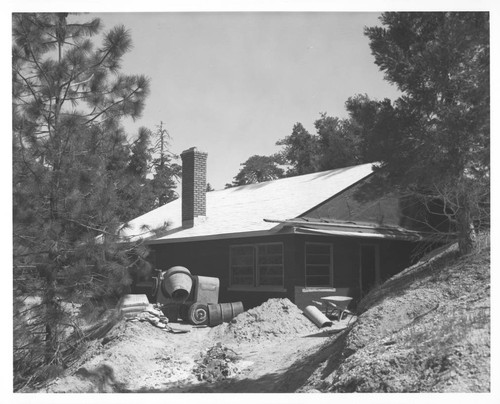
300,237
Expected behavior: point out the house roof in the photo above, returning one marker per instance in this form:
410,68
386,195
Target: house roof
242,210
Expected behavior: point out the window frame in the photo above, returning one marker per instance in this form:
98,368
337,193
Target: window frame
256,269
331,265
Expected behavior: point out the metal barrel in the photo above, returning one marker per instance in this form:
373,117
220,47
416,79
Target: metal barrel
223,312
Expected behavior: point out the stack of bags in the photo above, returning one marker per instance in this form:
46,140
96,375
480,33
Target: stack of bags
132,305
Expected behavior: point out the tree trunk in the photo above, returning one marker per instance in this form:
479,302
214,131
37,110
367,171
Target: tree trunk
52,311
465,229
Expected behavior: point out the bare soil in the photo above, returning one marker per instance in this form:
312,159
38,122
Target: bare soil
252,353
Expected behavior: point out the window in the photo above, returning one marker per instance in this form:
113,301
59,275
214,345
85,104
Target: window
242,265
319,264
258,265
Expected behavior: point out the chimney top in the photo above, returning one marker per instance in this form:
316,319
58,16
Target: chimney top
192,150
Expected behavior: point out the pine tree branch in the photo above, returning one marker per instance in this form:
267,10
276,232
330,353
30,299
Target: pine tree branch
89,227
28,84
113,105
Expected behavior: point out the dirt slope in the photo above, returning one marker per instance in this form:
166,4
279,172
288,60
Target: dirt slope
425,330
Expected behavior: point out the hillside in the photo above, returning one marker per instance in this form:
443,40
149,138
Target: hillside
425,330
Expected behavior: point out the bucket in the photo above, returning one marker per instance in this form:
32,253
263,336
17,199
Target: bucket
223,312
177,283
317,317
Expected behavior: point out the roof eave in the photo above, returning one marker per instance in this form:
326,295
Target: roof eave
257,233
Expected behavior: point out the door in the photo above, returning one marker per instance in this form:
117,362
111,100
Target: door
369,273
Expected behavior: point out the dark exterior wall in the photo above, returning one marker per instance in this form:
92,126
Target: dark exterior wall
211,258
394,256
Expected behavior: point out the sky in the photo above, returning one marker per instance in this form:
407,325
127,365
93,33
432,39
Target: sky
233,83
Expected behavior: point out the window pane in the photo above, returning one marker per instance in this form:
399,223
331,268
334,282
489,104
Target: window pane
270,264
244,260
242,265
318,264
271,275
318,281
318,249
276,259
318,259
318,270
242,276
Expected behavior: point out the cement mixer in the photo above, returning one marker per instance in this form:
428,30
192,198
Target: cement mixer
182,294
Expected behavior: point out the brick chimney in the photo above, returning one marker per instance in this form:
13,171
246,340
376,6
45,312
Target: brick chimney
194,186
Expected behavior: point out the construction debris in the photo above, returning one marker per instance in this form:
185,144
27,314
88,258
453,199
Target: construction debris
216,364
153,315
131,305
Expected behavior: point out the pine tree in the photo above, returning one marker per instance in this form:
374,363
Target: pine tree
166,172
337,145
135,188
69,152
258,169
440,62
298,151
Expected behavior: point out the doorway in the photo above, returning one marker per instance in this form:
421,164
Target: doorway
369,270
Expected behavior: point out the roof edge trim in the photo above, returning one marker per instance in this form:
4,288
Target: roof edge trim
258,233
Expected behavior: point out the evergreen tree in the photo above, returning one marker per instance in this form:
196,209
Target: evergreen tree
372,122
69,152
337,145
166,172
134,187
298,151
258,169
440,62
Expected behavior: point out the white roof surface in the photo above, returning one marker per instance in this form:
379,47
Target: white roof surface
243,209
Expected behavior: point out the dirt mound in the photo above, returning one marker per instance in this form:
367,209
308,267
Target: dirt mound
132,356
276,318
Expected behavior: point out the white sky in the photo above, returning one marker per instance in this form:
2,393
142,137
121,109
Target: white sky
232,84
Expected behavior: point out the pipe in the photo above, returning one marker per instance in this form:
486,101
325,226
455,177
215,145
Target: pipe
317,317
